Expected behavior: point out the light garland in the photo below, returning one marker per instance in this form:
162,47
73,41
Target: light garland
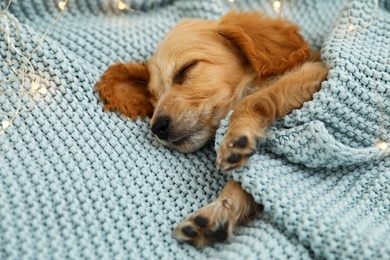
5,124
122,6
278,7
382,146
62,5
23,68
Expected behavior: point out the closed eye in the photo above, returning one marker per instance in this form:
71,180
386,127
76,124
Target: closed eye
180,77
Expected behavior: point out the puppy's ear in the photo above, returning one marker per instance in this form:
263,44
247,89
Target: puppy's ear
270,45
124,88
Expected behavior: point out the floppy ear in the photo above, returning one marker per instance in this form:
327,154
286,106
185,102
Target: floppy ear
124,88
271,45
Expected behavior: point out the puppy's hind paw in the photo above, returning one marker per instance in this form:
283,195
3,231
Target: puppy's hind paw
212,223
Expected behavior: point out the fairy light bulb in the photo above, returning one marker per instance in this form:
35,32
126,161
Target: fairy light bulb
62,5
351,28
232,1
34,86
121,5
43,91
277,5
382,146
5,124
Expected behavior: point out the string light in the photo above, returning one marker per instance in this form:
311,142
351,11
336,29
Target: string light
277,5
382,146
5,124
34,86
122,5
62,5
21,69
43,91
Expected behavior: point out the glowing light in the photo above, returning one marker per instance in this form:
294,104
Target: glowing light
5,124
121,5
383,146
34,86
277,5
232,1
62,5
351,28
43,91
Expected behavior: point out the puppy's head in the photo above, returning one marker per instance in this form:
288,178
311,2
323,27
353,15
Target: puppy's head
204,68
196,78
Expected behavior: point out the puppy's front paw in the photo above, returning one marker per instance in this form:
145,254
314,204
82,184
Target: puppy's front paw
236,148
212,223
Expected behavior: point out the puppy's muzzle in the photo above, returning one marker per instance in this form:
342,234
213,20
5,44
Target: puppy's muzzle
161,127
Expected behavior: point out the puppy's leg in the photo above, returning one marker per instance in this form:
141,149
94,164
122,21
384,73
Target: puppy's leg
256,112
216,221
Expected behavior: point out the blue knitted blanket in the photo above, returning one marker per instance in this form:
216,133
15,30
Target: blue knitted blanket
77,182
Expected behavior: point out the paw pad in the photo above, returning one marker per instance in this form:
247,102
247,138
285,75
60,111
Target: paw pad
201,221
236,149
242,142
189,231
212,223
234,158
220,234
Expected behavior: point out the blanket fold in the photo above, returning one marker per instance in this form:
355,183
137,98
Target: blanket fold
320,174
312,145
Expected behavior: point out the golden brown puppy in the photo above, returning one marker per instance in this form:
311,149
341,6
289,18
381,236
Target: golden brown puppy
258,67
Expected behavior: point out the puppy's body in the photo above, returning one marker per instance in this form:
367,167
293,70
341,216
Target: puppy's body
260,68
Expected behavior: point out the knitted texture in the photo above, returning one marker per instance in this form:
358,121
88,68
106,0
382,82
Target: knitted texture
319,174
78,182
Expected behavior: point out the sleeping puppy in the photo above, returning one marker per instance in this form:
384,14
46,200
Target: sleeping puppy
258,67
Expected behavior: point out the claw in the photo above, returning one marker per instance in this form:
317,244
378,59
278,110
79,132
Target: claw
227,203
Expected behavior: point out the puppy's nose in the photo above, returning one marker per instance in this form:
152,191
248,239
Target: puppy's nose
161,127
